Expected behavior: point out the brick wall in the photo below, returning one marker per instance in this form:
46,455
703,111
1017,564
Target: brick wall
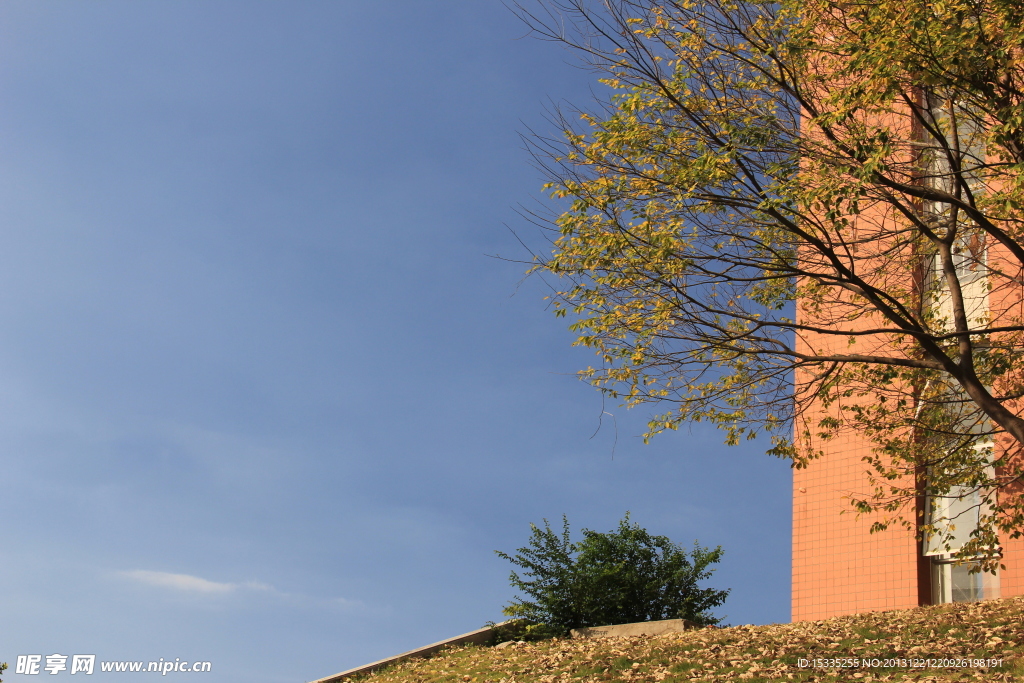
838,566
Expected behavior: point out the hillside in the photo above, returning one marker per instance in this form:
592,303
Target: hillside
987,630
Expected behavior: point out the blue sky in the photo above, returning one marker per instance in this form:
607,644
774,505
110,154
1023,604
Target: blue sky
265,400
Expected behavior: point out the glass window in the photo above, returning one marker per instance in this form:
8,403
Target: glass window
955,517
955,583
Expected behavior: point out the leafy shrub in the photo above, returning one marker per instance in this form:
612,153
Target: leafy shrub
520,629
617,577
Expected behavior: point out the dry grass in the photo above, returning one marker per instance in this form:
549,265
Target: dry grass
987,630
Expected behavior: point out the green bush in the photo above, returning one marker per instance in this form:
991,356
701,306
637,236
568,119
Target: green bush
521,629
617,577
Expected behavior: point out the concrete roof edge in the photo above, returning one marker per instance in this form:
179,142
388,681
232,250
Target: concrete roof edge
481,635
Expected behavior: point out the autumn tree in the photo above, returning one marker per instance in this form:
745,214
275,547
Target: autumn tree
805,217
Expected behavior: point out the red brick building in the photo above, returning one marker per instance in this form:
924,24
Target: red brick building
841,568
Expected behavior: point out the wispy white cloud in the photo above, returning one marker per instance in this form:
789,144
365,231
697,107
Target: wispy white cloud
258,586
346,603
189,583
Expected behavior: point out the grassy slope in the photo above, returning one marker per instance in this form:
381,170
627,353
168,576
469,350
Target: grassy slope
991,629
